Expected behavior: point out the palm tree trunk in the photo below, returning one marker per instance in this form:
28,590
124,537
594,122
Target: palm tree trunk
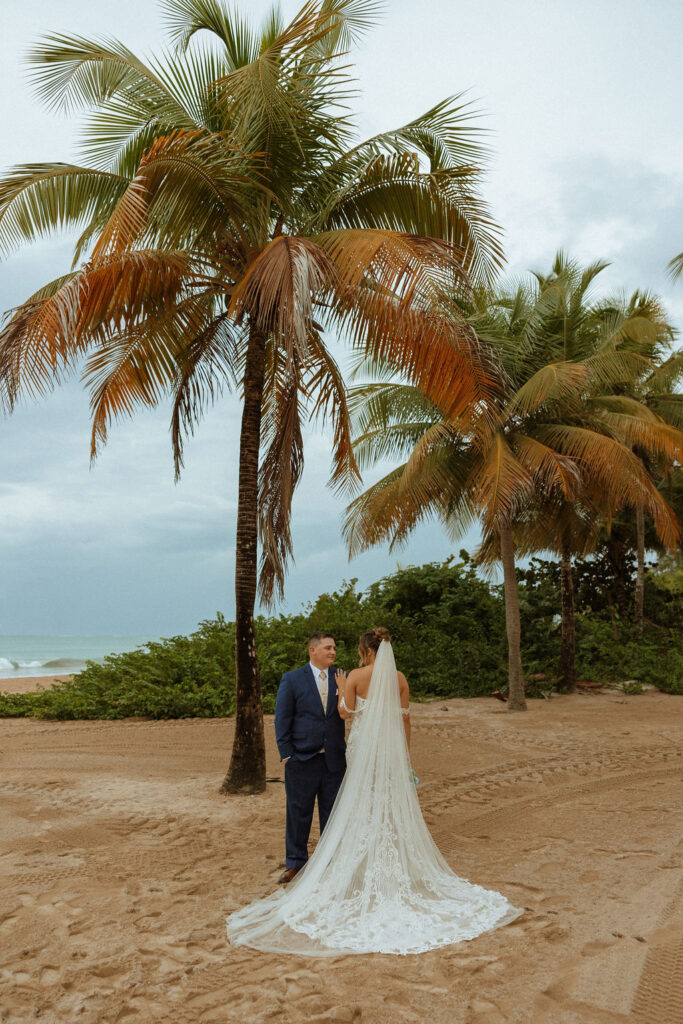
568,649
616,556
516,701
640,573
247,771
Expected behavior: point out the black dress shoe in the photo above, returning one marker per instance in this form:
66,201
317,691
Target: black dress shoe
287,875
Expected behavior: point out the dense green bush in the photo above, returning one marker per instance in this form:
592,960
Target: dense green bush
448,628
175,678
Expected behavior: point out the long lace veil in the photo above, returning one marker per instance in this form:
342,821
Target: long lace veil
376,881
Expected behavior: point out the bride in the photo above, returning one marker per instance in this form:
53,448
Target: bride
376,882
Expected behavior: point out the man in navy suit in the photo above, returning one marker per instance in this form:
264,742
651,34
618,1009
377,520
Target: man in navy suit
310,738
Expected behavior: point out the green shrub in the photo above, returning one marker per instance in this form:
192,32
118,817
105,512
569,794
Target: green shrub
448,630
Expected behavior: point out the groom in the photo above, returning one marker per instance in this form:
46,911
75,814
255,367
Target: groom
310,738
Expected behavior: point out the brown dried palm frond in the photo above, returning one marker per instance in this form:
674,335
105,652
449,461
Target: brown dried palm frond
192,189
329,402
45,337
390,509
387,305
280,470
279,290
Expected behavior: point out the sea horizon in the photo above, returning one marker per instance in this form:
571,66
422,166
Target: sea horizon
23,655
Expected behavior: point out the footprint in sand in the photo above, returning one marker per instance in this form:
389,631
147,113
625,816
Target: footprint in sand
49,975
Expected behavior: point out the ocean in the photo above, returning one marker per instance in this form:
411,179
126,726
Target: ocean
22,656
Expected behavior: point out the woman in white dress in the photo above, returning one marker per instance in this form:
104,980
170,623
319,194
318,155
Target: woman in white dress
376,882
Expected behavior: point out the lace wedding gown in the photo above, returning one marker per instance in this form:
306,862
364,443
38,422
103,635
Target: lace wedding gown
376,882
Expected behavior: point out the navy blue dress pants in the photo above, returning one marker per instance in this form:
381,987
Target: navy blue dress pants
304,782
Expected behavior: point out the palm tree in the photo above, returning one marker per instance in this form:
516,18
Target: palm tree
228,218
634,403
552,453
656,390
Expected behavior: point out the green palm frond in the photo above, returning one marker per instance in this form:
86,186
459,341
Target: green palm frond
378,406
396,441
552,383
392,193
185,18
345,23
675,266
37,199
208,363
666,375
119,131
68,72
668,406
501,482
447,135
278,100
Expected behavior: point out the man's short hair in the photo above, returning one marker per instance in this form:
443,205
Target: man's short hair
316,638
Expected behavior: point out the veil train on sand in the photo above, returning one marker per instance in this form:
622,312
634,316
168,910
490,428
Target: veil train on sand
376,882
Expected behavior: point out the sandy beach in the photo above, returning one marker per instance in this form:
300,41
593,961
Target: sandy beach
26,684
120,861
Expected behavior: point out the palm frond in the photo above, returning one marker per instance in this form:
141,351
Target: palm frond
185,18
71,71
385,303
38,199
502,482
45,337
551,383
675,266
279,288
189,185
552,473
393,194
279,473
207,363
276,97
327,385
344,23
668,406
445,134
379,406
615,471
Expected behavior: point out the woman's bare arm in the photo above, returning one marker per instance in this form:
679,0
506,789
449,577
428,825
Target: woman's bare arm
346,693
404,691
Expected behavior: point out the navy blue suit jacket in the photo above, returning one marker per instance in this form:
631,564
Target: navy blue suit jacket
302,728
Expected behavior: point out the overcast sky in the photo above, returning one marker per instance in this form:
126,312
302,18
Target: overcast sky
584,104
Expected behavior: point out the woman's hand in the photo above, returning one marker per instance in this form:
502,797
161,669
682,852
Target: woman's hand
340,680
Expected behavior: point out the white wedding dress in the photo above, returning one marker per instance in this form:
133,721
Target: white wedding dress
376,882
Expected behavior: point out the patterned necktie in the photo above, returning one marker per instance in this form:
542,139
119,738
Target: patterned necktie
323,688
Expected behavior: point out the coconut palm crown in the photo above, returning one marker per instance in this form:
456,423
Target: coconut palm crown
562,450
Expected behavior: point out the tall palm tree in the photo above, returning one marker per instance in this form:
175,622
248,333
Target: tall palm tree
550,452
229,217
657,391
